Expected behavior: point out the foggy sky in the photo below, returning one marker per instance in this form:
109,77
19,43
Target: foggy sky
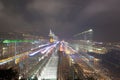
65,17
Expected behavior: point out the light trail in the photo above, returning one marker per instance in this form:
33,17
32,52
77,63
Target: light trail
4,61
44,50
40,46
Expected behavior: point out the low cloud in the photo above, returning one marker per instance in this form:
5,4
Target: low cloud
100,6
49,7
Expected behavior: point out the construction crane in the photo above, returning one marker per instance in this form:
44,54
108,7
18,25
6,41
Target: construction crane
87,34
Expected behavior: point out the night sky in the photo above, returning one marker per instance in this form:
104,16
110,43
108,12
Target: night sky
65,17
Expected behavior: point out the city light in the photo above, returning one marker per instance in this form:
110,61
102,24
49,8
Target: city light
14,41
90,30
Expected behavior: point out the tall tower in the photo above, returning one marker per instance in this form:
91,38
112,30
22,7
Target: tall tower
51,36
